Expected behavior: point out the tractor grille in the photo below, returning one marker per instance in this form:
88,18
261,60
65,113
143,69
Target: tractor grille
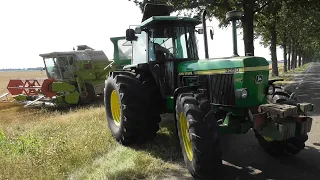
221,89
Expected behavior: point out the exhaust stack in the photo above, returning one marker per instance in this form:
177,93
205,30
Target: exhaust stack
204,26
234,16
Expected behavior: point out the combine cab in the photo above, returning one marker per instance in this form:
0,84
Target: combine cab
74,77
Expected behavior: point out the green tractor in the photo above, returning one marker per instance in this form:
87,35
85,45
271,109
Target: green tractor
209,97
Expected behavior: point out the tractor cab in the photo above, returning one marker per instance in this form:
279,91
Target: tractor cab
162,42
59,66
172,40
161,37
164,38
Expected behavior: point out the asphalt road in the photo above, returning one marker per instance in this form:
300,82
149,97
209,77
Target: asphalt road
244,159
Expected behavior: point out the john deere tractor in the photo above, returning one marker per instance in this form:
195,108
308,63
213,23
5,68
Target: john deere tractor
210,97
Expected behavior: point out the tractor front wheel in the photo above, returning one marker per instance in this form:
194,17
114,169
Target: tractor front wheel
131,110
197,131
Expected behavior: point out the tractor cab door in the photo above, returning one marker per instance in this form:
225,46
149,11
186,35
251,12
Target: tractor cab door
67,66
52,68
167,48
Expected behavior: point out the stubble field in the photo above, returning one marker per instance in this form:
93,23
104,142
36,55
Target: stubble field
38,143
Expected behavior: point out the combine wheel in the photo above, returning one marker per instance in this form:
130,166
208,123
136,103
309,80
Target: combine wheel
91,95
291,146
197,131
132,114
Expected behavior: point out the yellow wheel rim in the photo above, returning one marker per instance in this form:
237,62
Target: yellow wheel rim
267,138
185,136
115,107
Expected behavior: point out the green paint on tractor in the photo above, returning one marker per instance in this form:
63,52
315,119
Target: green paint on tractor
209,97
239,63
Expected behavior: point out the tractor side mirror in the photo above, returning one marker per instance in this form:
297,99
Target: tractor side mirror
130,35
211,34
138,30
200,31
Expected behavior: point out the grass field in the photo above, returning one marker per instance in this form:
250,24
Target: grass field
74,143
289,76
37,143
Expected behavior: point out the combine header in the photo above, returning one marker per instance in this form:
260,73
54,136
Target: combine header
74,77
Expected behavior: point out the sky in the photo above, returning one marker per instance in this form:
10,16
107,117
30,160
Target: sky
29,28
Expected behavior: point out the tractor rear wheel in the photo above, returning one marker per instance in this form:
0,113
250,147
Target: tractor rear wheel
197,131
131,107
289,147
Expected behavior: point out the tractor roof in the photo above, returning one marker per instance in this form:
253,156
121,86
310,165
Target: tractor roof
156,19
88,54
155,13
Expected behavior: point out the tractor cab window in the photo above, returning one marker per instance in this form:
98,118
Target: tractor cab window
172,43
53,70
61,67
125,49
66,68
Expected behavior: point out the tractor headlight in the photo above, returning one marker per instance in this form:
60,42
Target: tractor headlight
270,90
242,93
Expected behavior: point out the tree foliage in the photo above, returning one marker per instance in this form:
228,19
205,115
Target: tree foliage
294,25
297,27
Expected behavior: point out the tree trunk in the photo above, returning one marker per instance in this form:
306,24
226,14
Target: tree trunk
248,26
293,55
284,45
296,56
299,61
289,55
273,49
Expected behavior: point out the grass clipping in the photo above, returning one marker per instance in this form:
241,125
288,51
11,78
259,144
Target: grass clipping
289,76
37,144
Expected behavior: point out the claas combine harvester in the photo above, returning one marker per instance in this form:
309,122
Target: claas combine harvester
210,97
73,77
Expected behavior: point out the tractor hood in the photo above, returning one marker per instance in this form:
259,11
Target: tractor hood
223,65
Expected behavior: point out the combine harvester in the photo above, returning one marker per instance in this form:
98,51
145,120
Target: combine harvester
73,77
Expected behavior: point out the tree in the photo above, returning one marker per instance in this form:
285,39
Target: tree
288,22
292,24
219,8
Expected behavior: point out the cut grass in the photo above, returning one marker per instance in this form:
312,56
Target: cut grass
288,77
39,143
77,144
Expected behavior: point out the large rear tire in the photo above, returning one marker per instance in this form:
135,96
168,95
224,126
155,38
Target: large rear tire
131,111
197,131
